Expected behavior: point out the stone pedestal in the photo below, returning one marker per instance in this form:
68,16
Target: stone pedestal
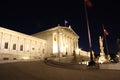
102,59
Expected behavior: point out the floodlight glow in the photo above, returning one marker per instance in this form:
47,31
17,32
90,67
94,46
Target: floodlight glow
55,49
26,57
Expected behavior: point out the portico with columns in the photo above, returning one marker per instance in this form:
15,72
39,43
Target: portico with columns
60,40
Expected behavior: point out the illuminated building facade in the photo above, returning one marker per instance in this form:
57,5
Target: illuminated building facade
57,41
60,40
15,45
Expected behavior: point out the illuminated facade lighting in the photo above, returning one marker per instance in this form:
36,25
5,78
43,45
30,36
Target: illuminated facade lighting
55,41
60,40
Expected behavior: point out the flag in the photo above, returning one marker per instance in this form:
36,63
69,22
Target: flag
66,21
106,32
88,3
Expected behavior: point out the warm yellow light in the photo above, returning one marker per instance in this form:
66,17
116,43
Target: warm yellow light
55,44
62,48
26,57
101,59
55,49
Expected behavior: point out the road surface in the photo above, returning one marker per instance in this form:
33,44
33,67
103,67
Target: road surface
37,70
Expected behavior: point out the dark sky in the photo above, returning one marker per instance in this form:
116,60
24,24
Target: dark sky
34,16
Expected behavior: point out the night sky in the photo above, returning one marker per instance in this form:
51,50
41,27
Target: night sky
34,16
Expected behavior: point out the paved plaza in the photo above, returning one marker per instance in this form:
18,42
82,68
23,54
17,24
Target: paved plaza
38,70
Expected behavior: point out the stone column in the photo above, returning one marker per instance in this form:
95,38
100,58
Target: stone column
58,42
1,40
18,44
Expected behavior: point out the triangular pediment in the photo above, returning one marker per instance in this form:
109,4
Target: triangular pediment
69,29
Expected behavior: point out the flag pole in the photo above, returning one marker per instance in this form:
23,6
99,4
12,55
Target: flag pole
65,22
91,63
106,45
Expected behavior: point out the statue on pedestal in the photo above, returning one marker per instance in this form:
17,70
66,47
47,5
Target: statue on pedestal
102,58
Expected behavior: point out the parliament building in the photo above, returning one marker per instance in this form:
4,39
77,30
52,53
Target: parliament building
57,41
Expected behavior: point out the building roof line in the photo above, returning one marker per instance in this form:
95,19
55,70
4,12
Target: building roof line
58,27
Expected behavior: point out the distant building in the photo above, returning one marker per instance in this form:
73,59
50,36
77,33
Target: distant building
58,41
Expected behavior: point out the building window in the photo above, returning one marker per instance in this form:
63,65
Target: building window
14,46
21,47
33,49
6,45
